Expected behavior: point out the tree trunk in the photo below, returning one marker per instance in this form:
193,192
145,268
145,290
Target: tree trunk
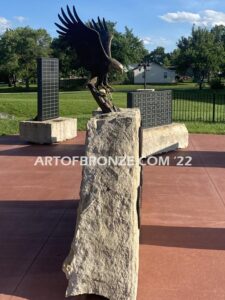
209,77
27,81
10,81
201,81
14,80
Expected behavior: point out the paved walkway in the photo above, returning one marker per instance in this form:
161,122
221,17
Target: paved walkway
183,222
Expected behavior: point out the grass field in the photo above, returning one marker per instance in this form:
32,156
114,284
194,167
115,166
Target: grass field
23,106
204,106
123,88
205,127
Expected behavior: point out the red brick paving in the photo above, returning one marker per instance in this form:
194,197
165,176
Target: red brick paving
183,222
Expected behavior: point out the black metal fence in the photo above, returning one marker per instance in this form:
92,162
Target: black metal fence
198,106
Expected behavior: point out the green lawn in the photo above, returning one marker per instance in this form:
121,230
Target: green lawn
175,86
23,106
205,127
199,106
178,86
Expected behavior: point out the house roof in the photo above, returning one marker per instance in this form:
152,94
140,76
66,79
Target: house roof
153,63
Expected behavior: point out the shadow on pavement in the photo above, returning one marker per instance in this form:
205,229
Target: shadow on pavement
183,237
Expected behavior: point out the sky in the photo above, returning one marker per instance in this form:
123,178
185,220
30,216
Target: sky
157,23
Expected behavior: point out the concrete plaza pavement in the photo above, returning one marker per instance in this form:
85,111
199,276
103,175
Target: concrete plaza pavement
182,244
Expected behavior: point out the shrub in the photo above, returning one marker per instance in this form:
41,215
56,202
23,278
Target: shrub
216,84
73,84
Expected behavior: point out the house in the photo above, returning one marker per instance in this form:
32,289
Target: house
154,74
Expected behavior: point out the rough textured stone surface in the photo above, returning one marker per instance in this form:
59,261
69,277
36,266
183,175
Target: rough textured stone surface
48,132
104,253
163,139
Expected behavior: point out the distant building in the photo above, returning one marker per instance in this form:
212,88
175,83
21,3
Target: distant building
154,74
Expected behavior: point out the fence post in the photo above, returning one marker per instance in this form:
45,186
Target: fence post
214,108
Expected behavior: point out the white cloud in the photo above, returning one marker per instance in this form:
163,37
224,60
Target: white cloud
162,41
181,16
212,18
147,40
156,41
20,19
205,18
4,24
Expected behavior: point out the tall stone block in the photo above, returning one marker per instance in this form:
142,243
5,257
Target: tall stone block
104,254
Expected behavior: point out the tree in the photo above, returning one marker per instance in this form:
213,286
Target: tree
128,48
67,57
167,61
158,56
181,57
19,50
31,44
8,57
68,61
201,54
219,33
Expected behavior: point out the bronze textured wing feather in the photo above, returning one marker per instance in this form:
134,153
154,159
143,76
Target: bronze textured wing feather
106,37
93,47
86,41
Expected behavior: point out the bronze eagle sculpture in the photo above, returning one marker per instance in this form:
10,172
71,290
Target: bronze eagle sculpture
92,44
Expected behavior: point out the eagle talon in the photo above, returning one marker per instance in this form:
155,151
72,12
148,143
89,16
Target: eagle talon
102,92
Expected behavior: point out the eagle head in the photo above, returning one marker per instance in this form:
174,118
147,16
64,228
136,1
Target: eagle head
115,65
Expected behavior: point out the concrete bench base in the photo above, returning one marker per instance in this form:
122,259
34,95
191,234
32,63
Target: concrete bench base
48,132
163,139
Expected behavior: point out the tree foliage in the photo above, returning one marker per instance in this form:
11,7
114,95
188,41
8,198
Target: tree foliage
20,47
159,56
201,55
127,48
19,50
8,58
66,56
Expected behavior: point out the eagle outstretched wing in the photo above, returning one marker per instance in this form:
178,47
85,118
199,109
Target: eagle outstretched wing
106,37
85,40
